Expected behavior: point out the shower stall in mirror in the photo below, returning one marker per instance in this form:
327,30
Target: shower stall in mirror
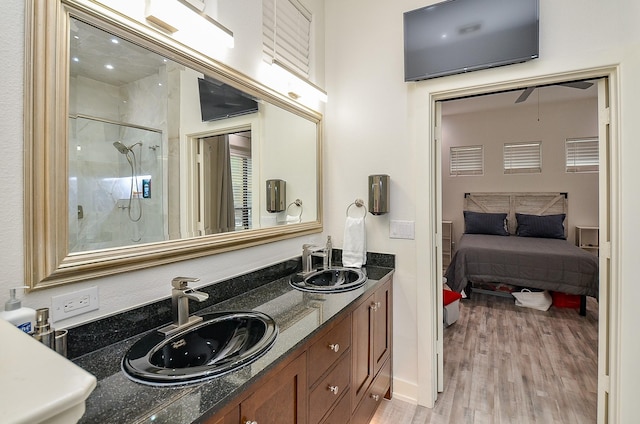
116,184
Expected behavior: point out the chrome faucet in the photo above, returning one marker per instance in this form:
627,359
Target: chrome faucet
310,250
180,295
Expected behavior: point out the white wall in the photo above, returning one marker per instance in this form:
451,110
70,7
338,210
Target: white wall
549,123
378,123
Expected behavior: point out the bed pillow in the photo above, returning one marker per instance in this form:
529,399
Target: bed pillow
485,223
543,226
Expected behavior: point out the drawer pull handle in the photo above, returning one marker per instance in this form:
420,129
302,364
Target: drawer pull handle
375,397
334,347
251,422
373,306
333,389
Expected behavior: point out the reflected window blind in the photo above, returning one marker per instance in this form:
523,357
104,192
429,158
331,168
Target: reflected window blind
286,34
582,154
241,181
523,158
466,160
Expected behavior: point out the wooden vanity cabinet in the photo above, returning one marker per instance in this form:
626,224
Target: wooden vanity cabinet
329,370
278,398
282,399
371,348
337,377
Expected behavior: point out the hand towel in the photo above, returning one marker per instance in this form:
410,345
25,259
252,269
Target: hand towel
292,219
354,249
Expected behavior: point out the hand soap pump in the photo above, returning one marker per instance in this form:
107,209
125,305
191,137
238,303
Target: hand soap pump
18,315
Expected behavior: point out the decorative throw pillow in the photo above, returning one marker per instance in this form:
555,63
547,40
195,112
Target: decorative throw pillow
485,223
543,226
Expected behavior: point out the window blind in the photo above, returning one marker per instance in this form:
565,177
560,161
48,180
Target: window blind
286,34
466,160
582,154
522,158
241,181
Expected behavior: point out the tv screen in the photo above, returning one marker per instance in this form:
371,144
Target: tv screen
459,36
220,101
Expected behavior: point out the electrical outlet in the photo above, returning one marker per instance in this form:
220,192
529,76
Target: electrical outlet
71,304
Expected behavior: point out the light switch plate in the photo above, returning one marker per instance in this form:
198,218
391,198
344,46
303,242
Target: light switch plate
75,303
402,229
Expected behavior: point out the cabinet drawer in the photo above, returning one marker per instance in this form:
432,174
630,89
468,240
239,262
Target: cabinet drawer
341,413
329,390
373,396
327,350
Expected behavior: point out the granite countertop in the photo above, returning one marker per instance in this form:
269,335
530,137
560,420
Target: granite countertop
298,314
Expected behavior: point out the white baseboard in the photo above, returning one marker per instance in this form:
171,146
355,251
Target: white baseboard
405,391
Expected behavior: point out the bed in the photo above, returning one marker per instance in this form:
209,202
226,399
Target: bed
519,239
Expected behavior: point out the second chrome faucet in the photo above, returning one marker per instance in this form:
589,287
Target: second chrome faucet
309,251
181,293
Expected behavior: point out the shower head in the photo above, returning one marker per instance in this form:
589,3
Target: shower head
121,147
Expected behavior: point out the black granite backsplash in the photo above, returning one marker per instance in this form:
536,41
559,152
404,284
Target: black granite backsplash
103,332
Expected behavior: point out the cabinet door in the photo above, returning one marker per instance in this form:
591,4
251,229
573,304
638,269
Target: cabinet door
231,417
382,316
362,349
282,399
373,396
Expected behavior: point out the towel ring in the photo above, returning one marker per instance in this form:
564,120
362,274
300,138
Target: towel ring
297,203
358,203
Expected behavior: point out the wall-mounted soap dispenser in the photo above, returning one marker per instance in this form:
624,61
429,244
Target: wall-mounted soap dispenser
379,194
276,195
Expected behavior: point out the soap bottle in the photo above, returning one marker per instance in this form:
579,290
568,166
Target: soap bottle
18,315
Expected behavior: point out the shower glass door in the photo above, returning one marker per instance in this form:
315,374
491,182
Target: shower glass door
116,184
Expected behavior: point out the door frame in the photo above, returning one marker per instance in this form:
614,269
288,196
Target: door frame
430,334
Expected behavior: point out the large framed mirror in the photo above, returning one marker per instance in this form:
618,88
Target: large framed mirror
140,151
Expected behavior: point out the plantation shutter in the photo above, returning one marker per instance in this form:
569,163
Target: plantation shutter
522,158
286,34
241,181
582,155
466,160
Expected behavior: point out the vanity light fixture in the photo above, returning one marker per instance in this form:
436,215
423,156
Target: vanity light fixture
186,15
295,86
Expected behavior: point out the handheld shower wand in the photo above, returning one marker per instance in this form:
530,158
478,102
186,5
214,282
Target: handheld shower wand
125,150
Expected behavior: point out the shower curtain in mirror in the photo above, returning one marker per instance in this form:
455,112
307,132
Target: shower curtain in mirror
219,213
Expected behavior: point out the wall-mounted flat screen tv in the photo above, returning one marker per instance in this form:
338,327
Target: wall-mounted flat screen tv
220,101
459,36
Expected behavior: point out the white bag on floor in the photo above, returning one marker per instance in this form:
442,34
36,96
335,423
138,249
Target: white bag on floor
535,300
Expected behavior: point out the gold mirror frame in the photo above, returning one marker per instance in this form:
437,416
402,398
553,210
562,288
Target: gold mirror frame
48,261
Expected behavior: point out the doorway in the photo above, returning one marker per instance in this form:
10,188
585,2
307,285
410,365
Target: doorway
607,207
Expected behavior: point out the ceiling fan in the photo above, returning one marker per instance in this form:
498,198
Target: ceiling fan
582,85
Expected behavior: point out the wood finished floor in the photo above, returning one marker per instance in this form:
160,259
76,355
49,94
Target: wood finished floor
506,364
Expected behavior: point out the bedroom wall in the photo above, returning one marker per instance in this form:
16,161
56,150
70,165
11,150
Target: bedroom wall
493,128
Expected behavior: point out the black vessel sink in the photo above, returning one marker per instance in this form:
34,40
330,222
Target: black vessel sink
332,280
221,343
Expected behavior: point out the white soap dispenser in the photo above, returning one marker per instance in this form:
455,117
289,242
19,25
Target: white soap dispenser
18,315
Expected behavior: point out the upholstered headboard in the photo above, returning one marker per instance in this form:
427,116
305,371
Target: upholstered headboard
512,203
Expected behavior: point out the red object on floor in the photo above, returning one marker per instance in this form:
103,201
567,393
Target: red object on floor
564,300
449,296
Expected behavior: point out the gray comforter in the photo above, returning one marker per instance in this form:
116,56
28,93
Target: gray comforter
549,264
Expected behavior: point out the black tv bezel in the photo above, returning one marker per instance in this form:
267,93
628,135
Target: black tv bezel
471,68
247,103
